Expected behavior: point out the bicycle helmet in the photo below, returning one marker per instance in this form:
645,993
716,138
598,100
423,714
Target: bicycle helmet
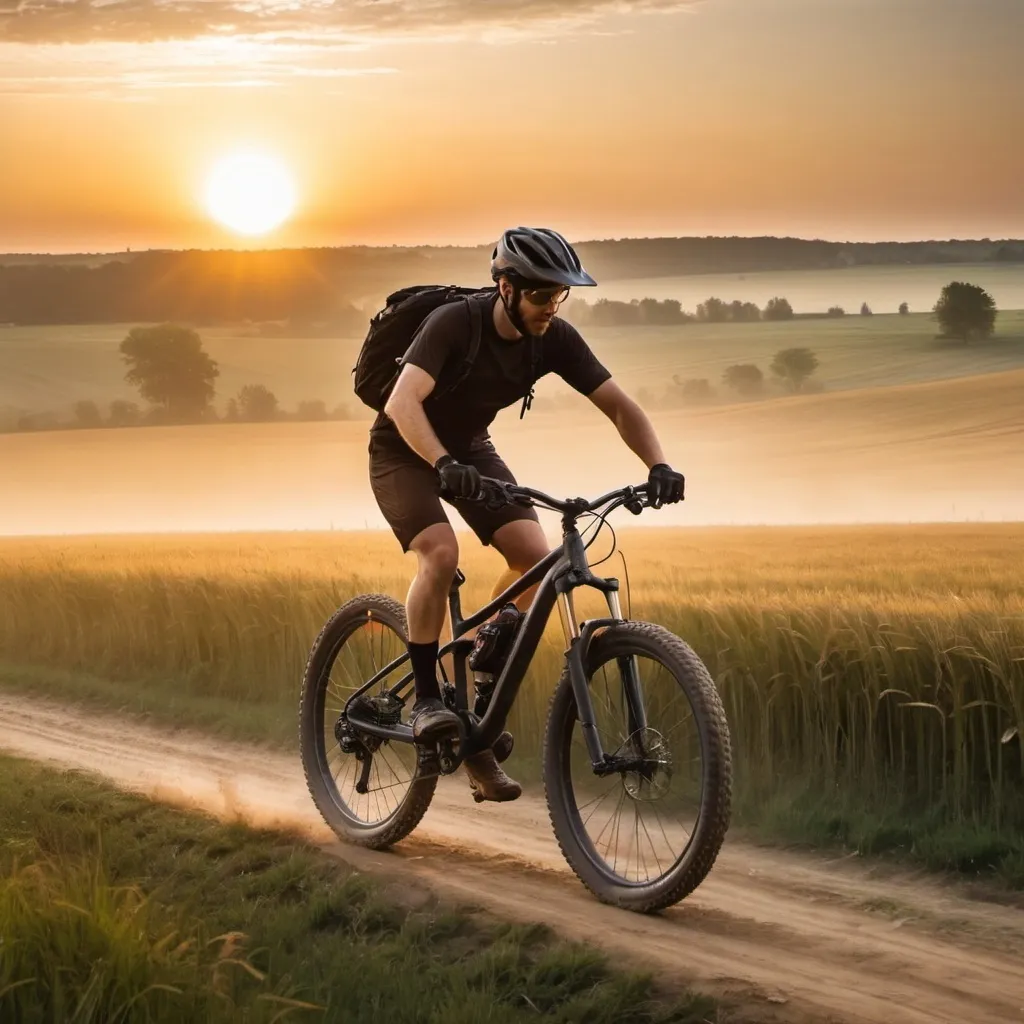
538,254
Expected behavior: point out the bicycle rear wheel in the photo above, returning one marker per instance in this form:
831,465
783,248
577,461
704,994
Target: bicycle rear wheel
362,636
644,837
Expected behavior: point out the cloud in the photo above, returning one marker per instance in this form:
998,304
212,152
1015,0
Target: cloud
103,82
341,21
133,71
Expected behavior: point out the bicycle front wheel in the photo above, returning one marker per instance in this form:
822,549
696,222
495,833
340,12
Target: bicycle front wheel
645,836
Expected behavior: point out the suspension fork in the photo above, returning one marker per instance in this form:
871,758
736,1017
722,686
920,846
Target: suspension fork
636,713
577,640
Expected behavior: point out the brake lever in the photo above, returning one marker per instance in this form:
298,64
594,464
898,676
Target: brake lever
495,495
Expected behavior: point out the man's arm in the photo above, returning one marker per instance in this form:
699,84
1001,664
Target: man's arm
630,421
405,408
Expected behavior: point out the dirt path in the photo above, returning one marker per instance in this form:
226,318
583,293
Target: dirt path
793,938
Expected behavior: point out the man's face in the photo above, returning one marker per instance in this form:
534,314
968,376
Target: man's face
538,303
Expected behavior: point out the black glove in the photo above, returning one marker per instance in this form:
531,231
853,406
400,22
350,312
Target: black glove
664,485
460,480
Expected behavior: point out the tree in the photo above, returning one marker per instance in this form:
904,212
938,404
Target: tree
745,378
836,311
713,311
257,404
865,309
965,311
743,312
169,367
778,309
576,310
697,389
904,309
311,410
231,412
37,421
123,414
651,311
793,366
87,414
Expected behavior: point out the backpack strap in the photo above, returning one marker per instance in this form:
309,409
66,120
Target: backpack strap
476,331
534,373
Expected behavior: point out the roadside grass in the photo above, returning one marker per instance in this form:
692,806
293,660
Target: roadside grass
114,909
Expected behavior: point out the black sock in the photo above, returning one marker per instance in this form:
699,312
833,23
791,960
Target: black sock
424,669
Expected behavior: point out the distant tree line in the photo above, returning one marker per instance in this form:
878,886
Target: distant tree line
791,368
171,370
87,414
713,310
334,289
175,375
654,312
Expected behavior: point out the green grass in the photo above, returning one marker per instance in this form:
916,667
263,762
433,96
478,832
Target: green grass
113,909
854,352
883,287
50,368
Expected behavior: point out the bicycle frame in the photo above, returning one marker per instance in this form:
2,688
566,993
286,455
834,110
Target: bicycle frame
559,573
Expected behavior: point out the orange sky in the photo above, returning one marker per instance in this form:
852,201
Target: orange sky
412,122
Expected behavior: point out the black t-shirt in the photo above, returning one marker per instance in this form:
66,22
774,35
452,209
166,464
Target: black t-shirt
500,376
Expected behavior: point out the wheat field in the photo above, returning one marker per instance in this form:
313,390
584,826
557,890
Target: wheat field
877,666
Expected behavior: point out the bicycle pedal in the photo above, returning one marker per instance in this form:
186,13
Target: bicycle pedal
428,760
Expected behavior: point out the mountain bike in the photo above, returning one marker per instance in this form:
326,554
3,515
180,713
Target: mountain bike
636,758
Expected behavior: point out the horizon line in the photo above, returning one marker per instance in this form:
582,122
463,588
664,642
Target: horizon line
489,244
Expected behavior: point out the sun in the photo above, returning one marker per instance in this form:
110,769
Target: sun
251,193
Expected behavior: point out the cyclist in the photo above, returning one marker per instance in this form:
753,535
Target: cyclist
423,448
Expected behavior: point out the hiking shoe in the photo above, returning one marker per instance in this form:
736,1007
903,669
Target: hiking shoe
487,779
502,747
430,718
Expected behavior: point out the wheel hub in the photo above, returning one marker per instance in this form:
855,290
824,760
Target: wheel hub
647,771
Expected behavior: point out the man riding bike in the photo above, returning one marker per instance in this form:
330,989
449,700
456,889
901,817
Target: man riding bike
424,447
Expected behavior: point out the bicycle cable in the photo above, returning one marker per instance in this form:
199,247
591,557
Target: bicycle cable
629,596
601,521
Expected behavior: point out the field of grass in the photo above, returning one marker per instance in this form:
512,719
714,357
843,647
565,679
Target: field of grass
50,368
853,352
116,910
883,288
938,451
872,675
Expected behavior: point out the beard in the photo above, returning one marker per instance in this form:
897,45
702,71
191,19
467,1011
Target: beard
536,322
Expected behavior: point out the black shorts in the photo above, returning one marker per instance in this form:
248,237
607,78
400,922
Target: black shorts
407,490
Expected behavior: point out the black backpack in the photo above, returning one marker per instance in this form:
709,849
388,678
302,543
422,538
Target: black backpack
392,330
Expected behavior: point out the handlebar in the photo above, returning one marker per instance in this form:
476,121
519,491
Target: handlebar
497,493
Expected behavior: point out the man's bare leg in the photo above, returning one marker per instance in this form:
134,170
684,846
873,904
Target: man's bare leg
522,545
437,556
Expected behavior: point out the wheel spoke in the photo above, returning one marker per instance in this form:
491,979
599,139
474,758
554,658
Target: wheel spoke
368,645
600,800
667,788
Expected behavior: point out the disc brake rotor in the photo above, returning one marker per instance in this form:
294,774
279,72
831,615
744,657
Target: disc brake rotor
653,780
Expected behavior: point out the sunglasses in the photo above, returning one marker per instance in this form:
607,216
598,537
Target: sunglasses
544,296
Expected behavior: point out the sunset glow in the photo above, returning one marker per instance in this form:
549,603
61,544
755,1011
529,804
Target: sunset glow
251,193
